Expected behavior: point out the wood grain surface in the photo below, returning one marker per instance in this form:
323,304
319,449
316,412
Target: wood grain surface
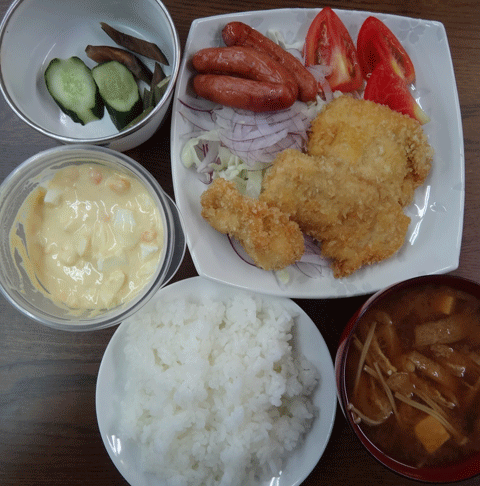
48,427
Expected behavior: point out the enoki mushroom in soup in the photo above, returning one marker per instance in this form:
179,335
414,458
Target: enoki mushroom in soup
413,376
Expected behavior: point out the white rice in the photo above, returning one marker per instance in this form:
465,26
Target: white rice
215,393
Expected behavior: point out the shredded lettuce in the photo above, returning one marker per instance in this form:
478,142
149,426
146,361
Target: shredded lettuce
221,164
190,154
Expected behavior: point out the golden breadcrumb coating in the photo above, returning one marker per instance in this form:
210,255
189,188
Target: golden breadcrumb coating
267,235
338,207
363,165
382,144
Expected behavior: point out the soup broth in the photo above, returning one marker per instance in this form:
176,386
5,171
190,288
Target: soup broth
413,376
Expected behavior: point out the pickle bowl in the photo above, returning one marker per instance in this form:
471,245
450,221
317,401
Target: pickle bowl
33,33
408,377
22,282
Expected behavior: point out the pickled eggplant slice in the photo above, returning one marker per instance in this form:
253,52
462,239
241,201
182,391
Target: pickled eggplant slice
158,74
102,54
71,85
139,46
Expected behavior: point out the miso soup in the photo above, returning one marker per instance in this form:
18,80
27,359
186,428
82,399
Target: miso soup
413,376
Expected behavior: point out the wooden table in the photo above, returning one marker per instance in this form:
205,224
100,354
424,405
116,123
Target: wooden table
48,428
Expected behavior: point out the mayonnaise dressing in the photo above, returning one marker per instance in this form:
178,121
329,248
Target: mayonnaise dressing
93,237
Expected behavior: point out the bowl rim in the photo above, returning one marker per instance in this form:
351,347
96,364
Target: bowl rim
108,139
455,472
174,250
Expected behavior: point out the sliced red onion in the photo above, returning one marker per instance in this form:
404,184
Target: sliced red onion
320,73
200,120
239,250
254,137
311,270
211,154
268,154
312,263
246,117
253,143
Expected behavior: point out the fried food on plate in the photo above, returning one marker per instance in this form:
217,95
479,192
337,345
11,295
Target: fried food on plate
381,144
335,204
363,165
267,235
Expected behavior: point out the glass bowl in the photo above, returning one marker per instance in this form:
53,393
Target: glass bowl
16,285
373,310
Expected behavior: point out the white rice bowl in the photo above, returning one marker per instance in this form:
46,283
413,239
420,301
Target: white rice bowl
215,393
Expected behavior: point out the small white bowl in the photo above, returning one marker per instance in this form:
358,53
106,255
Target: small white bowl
33,32
15,283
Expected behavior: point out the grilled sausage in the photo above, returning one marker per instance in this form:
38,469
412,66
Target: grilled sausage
244,62
243,93
243,77
240,34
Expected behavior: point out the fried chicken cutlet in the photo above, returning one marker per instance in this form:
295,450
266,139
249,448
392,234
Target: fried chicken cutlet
337,206
363,165
381,144
267,235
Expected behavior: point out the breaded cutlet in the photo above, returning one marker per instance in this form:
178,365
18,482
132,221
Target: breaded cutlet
338,206
381,143
267,235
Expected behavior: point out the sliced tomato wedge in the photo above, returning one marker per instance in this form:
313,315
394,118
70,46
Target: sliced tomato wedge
376,44
384,86
328,43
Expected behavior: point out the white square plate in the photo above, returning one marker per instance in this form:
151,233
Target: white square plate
433,240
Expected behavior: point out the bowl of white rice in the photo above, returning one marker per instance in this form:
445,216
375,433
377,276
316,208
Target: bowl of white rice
209,385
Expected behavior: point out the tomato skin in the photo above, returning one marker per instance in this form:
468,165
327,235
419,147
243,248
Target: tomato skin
384,86
376,44
328,43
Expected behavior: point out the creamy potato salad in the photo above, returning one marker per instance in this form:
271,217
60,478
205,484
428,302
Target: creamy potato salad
93,237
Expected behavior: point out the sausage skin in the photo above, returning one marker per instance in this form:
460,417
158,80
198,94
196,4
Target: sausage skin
244,62
247,94
240,34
